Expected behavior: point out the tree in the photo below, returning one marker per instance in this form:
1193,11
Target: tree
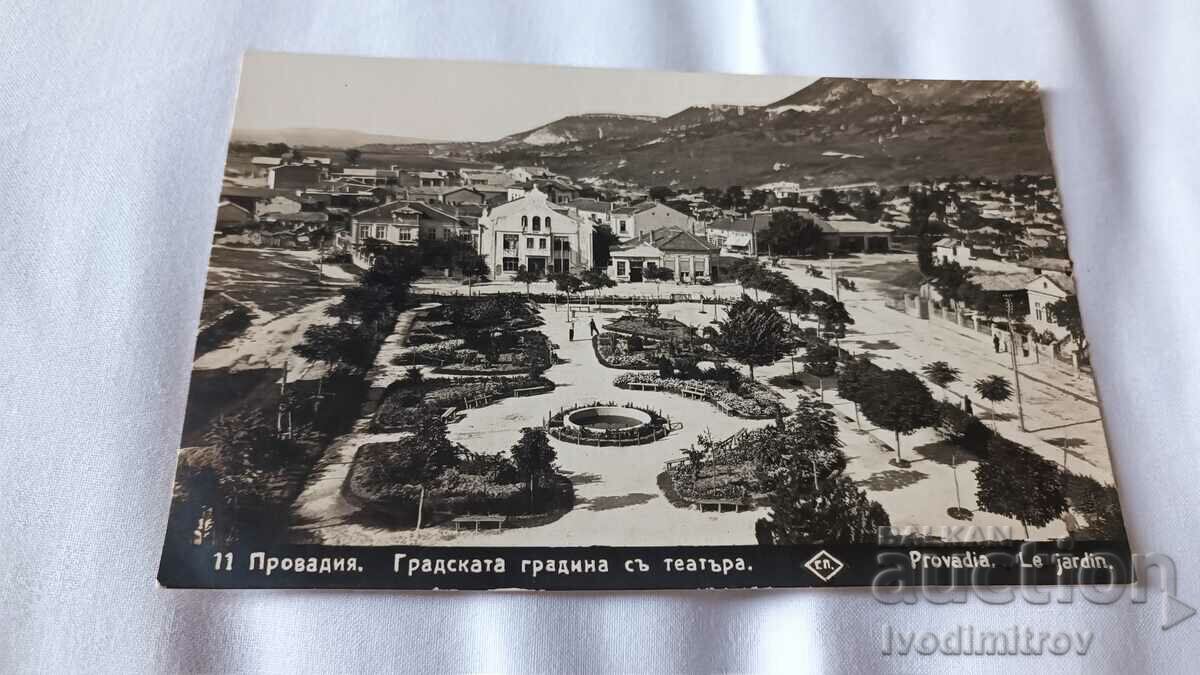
838,513
854,382
756,200
337,345
832,315
941,373
950,279
526,276
900,402
362,304
820,360
790,233
534,457
804,447
596,280
352,156
658,274
473,267
661,193
393,268
1016,482
754,334
566,282
431,447
1065,313
994,388
603,240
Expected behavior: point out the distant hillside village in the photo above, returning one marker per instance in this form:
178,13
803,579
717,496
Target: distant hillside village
504,222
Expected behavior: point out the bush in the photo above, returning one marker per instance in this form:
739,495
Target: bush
636,343
666,368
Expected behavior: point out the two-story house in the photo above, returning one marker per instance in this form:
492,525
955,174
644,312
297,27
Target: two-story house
404,223
629,222
527,232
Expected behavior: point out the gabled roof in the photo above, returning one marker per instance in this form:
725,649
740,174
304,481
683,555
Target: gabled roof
589,204
636,208
236,206
851,227
947,242
1063,282
262,160
377,214
672,240
1002,281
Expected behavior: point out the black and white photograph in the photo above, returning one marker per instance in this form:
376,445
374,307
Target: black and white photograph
569,328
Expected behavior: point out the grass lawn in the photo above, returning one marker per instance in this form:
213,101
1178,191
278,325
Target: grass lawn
273,280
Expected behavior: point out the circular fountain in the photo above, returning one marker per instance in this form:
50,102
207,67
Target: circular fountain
609,424
607,418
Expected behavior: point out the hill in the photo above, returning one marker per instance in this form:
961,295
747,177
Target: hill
321,138
832,131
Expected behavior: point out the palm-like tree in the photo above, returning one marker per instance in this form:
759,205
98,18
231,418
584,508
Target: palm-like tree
996,389
941,373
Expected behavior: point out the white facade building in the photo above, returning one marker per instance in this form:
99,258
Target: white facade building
527,232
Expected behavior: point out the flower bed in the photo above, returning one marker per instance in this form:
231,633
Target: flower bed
369,485
753,400
657,328
620,358
405,402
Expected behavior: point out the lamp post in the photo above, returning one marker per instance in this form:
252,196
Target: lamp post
1012,349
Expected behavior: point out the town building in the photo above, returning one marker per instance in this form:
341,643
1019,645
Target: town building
595,210
738,235
368,178
233,216
629,222
527,232
294,176
1044,290
692,259
495,177
948,249
855,236
260,165
404,223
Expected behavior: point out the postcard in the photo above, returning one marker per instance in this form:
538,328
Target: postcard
491,326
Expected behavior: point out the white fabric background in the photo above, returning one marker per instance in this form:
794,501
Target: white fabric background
113,123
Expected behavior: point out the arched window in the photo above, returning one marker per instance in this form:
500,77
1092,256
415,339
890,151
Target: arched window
547,222
537,223
524,222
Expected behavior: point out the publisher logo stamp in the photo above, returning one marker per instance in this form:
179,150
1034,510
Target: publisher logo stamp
824,565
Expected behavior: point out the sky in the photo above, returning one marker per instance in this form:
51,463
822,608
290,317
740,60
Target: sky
468,101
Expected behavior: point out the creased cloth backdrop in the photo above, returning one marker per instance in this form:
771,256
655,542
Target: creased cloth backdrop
113,123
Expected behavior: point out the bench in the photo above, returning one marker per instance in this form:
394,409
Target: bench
721,504
477,402
672,463
530,390
498,520
448,416
693,392
643,386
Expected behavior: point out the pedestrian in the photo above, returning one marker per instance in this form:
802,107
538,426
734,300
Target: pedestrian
996,342
592,327
570,331
967,406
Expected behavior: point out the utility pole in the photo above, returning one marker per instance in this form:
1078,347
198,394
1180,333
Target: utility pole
1012,349
832,283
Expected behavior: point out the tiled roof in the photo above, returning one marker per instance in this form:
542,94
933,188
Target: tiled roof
589,204
671,240
384,213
